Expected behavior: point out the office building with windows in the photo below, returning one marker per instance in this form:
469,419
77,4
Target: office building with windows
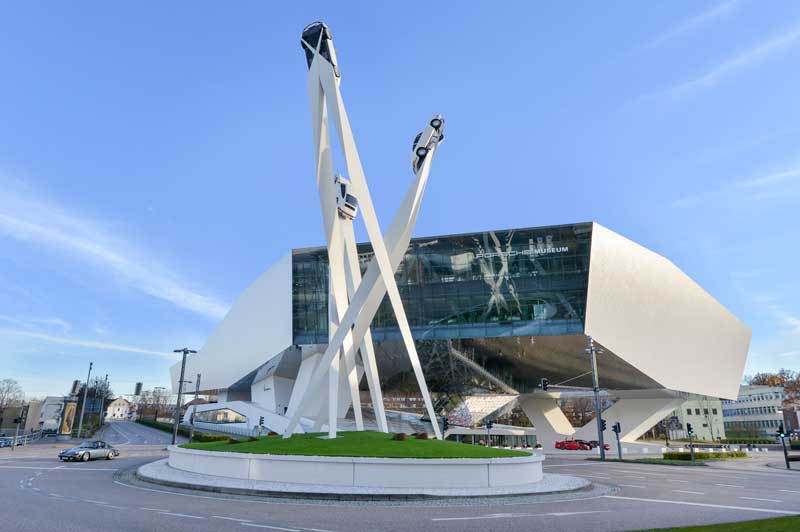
491,313
757,411
704,414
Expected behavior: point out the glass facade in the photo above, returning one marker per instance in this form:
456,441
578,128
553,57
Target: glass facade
519,282
220,415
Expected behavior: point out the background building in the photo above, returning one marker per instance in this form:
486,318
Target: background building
119,408
706,416
756,412
492,313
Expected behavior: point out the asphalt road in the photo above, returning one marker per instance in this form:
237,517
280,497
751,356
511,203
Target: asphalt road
39,493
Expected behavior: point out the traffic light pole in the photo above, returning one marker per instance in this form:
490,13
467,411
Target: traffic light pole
597,406
619,447
691,445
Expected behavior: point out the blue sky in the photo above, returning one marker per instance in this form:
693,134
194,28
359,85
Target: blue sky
156,158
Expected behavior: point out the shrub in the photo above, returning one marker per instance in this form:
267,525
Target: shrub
199,436
422,436
400,436
795,445
745,441
232,440
700,455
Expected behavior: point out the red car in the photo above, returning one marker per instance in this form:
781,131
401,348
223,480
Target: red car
573,445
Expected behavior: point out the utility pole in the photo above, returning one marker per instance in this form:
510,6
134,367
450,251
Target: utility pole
194,407
592,351
782,436
103,400
83,405
185,351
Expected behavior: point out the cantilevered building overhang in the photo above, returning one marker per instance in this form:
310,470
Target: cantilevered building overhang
497,311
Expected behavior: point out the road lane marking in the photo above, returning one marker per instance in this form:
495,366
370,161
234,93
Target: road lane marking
701,504
690,492
511,515
154,509
176,514
316,529
96,502
232,519
270,527
593,476
757,499
677,480
61,468
630,486
636,476
729,486
790,491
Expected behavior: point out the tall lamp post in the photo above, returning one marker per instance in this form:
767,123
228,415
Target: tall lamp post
185,351
194,407
592,352
83,405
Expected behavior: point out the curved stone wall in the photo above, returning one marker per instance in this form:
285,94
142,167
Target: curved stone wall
362,472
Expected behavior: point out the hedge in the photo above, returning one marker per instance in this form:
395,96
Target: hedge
795,445
747,440
183,431
700,455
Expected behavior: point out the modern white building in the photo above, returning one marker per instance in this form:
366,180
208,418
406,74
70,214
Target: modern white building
492,313
756,411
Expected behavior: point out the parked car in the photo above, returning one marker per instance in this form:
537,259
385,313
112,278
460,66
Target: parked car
595,444
573,445
89,450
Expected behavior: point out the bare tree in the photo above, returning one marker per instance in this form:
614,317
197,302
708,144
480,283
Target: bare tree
11,393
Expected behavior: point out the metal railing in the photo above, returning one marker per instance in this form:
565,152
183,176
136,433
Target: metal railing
22,439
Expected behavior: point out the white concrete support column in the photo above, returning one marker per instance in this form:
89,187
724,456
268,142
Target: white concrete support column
549,421
635,415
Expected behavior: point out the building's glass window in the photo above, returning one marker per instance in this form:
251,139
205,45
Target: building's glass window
688,411
705,411
221,415
697,411
714,411
523,282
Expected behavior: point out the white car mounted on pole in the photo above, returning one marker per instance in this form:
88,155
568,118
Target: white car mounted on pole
353,300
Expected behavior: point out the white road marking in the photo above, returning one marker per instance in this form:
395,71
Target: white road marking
636,476
690,492
630,486
183,515
790,491
112,506
701,504
316,529
593,476
232,519
676,480
95,502
271,527
757,499
729,486
511,516
154,509
62,468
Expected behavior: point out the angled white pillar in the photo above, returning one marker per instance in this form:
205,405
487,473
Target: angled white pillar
549,421
635,416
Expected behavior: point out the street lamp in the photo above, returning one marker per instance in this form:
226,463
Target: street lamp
185,351
592,351
83,404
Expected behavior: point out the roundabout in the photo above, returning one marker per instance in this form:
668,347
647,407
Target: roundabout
356,465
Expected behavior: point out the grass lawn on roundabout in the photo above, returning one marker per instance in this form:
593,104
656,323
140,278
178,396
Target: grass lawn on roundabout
357,444
780,524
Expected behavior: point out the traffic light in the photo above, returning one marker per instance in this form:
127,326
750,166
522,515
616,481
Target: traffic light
17,420
489,425
781,433
261,421
689,429
603,425
545,383
445,424
616,427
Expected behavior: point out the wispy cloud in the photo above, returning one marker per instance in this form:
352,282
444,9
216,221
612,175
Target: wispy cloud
754,186
32,323
731,65
693,23
62,340
30,218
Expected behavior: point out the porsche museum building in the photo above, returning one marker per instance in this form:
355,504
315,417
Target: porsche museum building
492,313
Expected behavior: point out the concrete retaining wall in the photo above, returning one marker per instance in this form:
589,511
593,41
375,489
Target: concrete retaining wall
362,472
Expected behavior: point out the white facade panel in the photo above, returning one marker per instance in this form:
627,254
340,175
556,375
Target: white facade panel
651,314
257,327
